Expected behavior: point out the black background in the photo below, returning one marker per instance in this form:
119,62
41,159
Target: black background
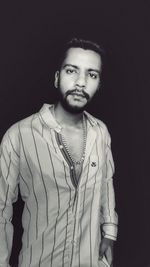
31,33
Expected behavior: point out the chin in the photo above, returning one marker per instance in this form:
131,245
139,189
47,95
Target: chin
74,109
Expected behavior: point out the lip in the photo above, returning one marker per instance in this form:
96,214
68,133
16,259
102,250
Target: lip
77,94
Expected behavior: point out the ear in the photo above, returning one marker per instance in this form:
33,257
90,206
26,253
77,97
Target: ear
56,79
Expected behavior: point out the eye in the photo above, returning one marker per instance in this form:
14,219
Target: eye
93,75
70,70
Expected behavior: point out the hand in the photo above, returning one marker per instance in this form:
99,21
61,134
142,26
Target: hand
106,249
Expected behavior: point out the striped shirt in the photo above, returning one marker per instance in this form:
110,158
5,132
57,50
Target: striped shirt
63,220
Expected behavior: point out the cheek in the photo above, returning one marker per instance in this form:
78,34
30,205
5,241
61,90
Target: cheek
93,88
66,81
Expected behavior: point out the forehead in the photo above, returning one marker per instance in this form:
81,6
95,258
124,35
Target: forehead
83,58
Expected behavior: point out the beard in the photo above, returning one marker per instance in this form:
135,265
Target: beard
74,109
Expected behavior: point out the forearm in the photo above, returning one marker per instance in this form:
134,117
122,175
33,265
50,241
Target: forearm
109,217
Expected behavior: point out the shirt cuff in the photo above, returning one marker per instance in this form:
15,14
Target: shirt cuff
110,230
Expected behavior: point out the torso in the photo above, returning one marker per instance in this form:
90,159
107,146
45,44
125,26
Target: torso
75,139
75,142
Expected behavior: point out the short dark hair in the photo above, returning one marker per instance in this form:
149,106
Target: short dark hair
80,43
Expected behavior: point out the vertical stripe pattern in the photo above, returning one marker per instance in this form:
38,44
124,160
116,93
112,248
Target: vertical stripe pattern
62,215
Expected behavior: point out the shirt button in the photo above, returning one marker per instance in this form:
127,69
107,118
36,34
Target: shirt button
71,167
61,146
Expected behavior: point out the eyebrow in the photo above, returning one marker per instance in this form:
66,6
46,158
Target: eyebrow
76,67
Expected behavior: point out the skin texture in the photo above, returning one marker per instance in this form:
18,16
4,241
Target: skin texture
77,81
79,78
106,248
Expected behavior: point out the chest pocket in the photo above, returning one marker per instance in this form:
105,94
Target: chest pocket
93,171
95,163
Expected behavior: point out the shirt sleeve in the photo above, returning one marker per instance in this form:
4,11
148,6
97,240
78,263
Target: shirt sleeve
108,213
8,194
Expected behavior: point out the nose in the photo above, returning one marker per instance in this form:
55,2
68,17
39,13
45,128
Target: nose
81,80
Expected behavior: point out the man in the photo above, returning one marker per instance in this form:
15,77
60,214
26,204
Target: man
61,159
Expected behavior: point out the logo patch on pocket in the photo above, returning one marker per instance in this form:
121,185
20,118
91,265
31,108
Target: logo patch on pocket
93,164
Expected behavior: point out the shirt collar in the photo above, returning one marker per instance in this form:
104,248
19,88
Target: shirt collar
47,118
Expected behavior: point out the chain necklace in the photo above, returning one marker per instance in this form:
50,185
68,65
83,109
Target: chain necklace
78,162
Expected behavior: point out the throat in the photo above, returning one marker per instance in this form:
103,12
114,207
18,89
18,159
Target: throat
65,118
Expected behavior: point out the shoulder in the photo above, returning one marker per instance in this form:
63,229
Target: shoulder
11,137
101,124
98,124
20,125
104,132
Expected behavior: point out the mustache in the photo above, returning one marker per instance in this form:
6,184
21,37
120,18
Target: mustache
81,92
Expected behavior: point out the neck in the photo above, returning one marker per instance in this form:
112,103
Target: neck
64,117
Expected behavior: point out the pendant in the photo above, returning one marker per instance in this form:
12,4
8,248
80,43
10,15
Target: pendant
77,162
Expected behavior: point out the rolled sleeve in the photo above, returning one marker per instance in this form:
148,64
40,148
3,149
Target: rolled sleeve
109,216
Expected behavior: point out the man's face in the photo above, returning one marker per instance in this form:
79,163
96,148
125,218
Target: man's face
78,79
